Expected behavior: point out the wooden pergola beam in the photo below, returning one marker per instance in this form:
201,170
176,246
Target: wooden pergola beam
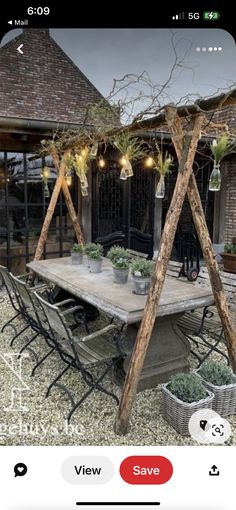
146,327
201,106
59,185
194,199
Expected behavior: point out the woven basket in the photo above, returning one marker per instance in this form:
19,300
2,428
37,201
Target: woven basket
224,401
178,413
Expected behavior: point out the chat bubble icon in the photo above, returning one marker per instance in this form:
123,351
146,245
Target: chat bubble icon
20,469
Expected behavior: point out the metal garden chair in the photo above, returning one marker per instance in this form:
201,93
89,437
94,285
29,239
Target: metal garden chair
13,297
35,317
99,349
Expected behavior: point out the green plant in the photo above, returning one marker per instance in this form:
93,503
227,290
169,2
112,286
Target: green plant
130,147
142,267
230,248
77,248
162,163
116,253
94,251
217,373
121,263
222,147
187,387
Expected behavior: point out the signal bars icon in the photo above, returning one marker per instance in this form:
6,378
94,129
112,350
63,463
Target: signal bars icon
179,16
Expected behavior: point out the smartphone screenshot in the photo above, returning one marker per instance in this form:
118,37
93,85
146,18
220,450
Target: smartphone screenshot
117,258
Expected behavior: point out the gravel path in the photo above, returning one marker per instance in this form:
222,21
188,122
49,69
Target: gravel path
44,423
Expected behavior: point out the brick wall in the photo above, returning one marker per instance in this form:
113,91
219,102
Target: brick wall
43,83
230,213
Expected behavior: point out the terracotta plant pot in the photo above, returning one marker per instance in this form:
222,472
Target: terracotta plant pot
229,260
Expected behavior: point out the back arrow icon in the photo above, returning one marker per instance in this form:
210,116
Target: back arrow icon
20,50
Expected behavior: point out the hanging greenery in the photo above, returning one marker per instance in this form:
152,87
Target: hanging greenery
222,147
219,149
162,164
131,150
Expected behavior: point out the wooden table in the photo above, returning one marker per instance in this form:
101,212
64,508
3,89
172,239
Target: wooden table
168,350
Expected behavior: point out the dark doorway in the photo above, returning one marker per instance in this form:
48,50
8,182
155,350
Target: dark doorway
123,211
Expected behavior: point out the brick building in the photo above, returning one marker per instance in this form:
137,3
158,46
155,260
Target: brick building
41,91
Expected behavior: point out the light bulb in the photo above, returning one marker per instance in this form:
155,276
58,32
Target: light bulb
101,163
123,161
149,162
68,180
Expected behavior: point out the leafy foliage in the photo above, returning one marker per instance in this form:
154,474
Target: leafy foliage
94,251
130,148
222,147
142,267
187,387
117,252
162,163
77,248
230,248
217,373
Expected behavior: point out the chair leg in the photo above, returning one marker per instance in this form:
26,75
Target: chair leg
18,334
42,360
9,322
28,343
58,377
94,386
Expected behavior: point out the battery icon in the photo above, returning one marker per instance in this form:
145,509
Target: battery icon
211,15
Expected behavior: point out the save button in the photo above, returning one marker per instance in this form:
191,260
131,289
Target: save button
146,469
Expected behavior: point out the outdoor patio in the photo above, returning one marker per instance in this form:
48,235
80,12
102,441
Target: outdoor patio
92,424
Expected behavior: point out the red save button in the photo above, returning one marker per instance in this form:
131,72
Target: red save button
148,469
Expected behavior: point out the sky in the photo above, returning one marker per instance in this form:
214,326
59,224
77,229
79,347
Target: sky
105,54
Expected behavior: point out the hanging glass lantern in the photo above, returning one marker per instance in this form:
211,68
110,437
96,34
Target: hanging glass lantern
68,179
46,191
160,189
123,174
94,150
215,178
128,169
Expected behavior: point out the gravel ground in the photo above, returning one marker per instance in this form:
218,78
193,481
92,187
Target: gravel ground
44,423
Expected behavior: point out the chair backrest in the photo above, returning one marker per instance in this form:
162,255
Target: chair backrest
57,324
23,292
6,278
137,254
10,288
228,280
174,268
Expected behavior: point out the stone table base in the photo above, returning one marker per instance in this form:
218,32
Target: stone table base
167,353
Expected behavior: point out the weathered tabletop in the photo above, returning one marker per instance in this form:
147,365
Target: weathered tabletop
119,300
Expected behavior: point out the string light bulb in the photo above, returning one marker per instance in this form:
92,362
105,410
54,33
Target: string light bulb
101,162
149,162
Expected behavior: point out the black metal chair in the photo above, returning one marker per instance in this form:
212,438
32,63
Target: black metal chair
101,348
35,317
13,297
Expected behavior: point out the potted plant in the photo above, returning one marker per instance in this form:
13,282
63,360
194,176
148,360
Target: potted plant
218,378
94,253
120,262
229,256
77,251
142,271
182,396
